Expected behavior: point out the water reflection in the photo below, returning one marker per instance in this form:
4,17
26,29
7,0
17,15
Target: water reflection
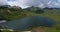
29,22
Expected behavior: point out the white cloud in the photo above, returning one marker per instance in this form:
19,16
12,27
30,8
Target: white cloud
26,3
58,0
54,3
18,3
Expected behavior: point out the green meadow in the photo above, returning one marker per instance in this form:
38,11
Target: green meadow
12,14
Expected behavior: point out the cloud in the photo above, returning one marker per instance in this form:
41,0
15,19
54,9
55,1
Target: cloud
20,3
3,2
27,3
10,0
55,4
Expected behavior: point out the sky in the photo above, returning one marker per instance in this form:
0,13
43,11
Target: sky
27,3
3,2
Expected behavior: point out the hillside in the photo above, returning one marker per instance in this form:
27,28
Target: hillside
10,13
16,13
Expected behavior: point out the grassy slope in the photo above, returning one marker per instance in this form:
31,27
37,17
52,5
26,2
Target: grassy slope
55,17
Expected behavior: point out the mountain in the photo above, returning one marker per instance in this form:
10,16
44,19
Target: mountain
8,12
31,8
5,6
35,9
